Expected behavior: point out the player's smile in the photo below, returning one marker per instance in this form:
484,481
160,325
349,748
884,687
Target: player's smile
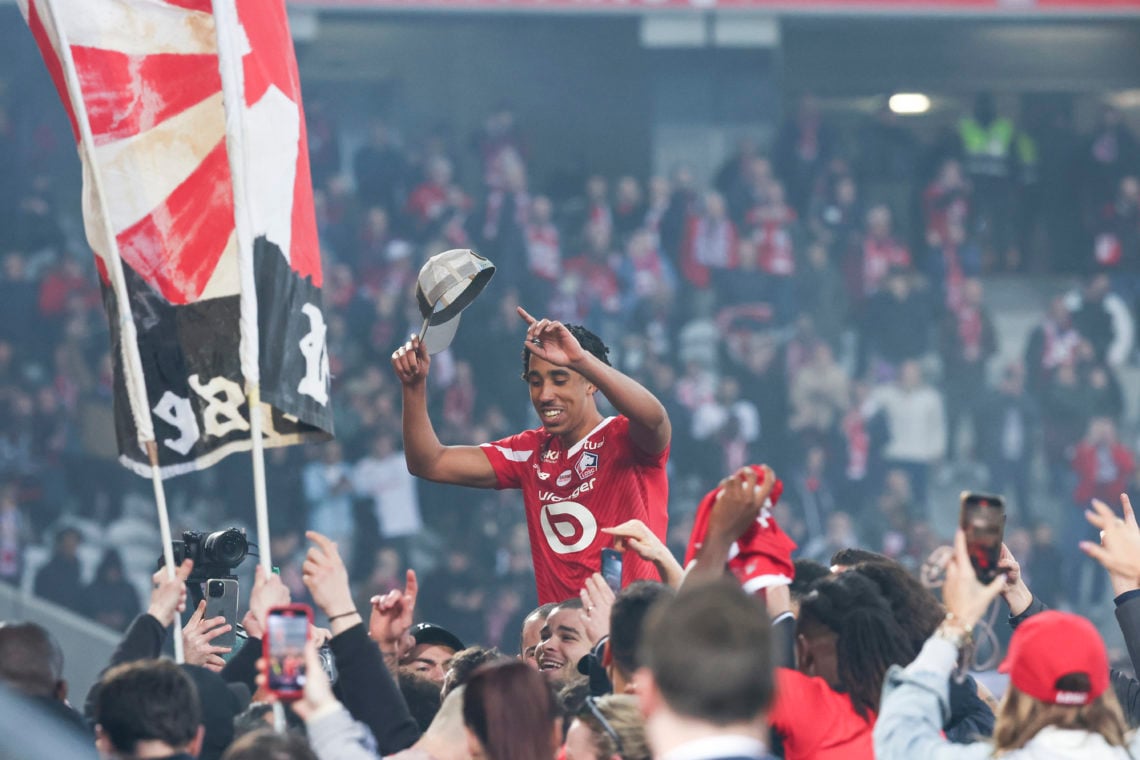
561,397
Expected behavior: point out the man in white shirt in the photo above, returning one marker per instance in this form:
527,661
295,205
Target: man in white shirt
383,477
917,422
706,680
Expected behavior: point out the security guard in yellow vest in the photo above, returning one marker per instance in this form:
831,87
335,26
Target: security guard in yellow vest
987,142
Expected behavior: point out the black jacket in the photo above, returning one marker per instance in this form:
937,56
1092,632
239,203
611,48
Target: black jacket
369,692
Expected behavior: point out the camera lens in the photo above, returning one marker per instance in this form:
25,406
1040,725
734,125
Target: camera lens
226,547
217,589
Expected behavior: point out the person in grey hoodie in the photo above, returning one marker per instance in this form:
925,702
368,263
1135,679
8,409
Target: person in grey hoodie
1058,707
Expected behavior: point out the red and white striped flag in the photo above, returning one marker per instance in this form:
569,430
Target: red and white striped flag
197,190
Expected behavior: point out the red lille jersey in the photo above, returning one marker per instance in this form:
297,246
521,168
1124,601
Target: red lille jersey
599,482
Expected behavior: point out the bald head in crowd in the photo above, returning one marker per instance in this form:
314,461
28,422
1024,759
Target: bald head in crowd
31,661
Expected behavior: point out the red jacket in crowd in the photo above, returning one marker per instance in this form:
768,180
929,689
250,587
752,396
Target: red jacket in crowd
1103,472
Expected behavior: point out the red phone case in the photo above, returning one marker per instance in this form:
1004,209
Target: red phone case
307,611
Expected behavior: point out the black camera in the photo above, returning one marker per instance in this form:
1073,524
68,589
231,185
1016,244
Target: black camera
215,554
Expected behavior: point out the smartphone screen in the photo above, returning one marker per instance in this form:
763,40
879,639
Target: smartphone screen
983,521
611,568
288,631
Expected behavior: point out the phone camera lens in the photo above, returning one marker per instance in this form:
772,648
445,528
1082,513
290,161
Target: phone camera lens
217,589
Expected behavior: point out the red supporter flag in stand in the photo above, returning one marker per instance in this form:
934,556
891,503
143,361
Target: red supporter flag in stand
762,556
199,194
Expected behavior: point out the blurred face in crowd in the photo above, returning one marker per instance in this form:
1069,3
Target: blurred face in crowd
1102,432
879,221
1130,189
430,661
972,291
951,173
1058,311
598,237
714,205
563,399
531,636
440,171
748,254
845,191
899,285
1013,380
910,376
540,210
628,191
596,189
563,644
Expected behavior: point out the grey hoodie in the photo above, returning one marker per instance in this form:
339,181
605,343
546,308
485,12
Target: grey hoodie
916,701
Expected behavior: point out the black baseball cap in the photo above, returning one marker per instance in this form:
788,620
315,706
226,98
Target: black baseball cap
430,633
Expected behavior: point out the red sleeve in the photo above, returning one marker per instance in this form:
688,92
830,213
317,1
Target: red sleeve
642,457
509,458
693,271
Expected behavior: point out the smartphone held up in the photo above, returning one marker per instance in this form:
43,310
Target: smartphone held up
287,633
982,519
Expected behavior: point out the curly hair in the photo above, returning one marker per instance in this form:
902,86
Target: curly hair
918,611
588,340
869,639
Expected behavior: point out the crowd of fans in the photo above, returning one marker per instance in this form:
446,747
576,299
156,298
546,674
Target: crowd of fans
816,306
857,660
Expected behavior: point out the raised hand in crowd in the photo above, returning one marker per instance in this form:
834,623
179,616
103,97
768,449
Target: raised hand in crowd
738,503
635,536
965,597
197,635
326,578
1016,594
597,601
1119,549
268,591
391,620
366,687
168,595
332,733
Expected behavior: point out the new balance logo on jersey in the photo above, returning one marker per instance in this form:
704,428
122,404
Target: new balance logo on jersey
587,464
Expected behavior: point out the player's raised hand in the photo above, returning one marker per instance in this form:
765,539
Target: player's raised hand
550,340
411,362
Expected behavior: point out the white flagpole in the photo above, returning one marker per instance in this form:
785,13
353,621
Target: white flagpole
128,336
231,47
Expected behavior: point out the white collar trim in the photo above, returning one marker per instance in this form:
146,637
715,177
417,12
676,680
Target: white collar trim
578,446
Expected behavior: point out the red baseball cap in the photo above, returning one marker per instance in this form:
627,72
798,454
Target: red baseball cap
1053,644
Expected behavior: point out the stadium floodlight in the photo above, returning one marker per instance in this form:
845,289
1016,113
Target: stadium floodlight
909,103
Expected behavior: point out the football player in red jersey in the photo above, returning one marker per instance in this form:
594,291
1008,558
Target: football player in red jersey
579,472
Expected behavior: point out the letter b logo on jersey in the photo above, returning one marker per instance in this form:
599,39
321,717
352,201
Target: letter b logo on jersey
568,526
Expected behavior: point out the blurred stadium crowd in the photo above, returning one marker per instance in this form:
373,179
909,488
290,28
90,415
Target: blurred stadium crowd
818,305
